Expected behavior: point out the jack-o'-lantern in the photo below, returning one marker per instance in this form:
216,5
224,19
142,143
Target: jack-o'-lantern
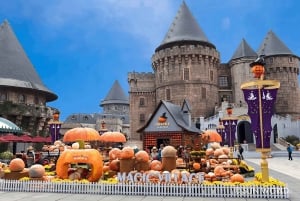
258,70
91,157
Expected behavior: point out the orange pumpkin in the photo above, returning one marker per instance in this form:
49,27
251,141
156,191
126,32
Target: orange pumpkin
258,70
114,165
127,153
209,151
105,168
16,165
219,170
218,152
74,156
142,156
156,165
237,178
114,153
196,166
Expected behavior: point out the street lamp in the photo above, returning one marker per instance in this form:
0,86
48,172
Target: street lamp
54,127
260,95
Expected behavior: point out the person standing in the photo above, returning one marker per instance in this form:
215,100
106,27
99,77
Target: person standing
290,151
241,150
30,159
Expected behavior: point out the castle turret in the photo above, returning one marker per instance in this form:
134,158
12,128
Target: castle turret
239,68
185,66
282,65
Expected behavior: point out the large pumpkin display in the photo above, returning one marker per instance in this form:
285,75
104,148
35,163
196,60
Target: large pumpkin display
88,156
16,165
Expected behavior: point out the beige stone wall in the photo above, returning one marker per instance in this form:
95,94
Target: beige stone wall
240,73
142,85
286,70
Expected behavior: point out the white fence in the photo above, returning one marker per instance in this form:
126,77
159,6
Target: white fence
147,189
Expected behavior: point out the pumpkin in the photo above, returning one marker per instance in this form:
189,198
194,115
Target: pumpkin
16,165
218,170
258,70
74,156
223,158
226,150
142,156
156,165
114,153
237,178
105,168
168,151
218,152
196,166
114,165
209,151
36,171
127,153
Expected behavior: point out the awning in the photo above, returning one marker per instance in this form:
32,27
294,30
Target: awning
7,126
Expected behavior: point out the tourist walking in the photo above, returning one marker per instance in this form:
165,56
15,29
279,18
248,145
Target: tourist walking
241,150
290,151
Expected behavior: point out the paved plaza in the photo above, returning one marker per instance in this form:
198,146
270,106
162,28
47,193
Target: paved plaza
279,167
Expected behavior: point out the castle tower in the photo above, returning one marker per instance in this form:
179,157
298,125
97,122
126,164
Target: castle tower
116,102
23,96
240,71
141,99
282,65
185,66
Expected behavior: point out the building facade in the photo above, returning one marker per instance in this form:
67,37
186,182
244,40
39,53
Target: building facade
186,65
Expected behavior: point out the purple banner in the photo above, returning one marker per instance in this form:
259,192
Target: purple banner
261,117
54,131
230,129
221,131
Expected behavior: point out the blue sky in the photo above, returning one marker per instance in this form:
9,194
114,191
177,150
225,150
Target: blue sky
80,47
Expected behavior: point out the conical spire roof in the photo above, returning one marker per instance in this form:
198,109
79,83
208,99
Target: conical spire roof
272,45
184,28
16,68
244,50
116,95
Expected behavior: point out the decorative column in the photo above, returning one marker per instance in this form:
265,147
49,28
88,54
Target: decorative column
260,95
230,123
54,127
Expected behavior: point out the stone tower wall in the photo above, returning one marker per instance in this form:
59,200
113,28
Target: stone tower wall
240,73
286,70
200,89
141,86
